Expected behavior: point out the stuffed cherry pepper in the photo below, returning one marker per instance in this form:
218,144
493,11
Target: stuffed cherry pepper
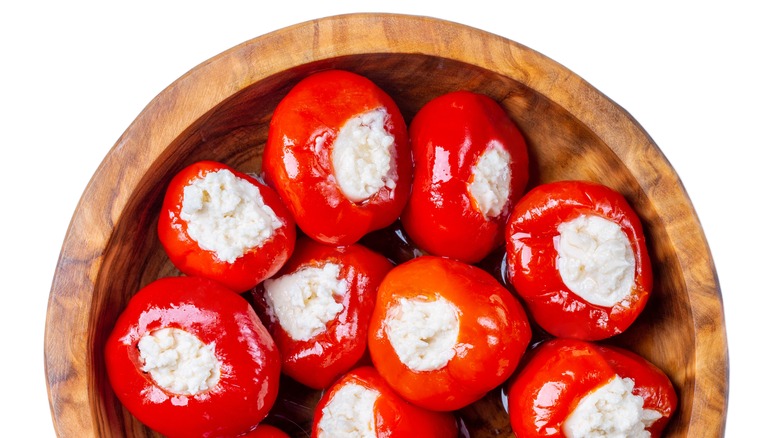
219,223
362,404
318,308
576,254
338,154
189,358
471,166
578,389
444,333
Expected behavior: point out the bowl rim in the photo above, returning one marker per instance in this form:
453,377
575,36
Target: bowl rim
67,332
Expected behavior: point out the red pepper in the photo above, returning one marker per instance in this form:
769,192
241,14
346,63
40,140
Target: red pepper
318,361
392,415
492,332
254,266
298,157
248,361
532,259
449,136
560,372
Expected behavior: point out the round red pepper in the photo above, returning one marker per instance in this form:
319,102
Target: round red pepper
492,332
532,259
560,372
248,361
392,415
254,266
317,362
298,159
449,136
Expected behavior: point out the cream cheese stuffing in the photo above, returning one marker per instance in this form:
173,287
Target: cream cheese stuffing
349,413
178,361
226,214
306,300
363,156
423,333
595,260
491,176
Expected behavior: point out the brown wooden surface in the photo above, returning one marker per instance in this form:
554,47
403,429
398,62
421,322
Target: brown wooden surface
220,111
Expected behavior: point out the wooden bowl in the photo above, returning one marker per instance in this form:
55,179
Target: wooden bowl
220,110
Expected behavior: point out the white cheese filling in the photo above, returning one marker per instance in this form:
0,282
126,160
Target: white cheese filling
349,413
227,215
595,260
423,333
489,186
178,361
363,156
611,411
304,301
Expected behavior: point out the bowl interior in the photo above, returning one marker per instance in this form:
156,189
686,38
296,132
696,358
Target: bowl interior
562,145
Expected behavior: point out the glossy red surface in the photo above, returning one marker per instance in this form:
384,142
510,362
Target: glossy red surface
494,332
448,136
393,416
531,259
318,361
185,253
559,372
297,157
249,370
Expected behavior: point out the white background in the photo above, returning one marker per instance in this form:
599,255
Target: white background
701,78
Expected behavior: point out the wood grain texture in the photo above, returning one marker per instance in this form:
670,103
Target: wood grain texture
220,111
